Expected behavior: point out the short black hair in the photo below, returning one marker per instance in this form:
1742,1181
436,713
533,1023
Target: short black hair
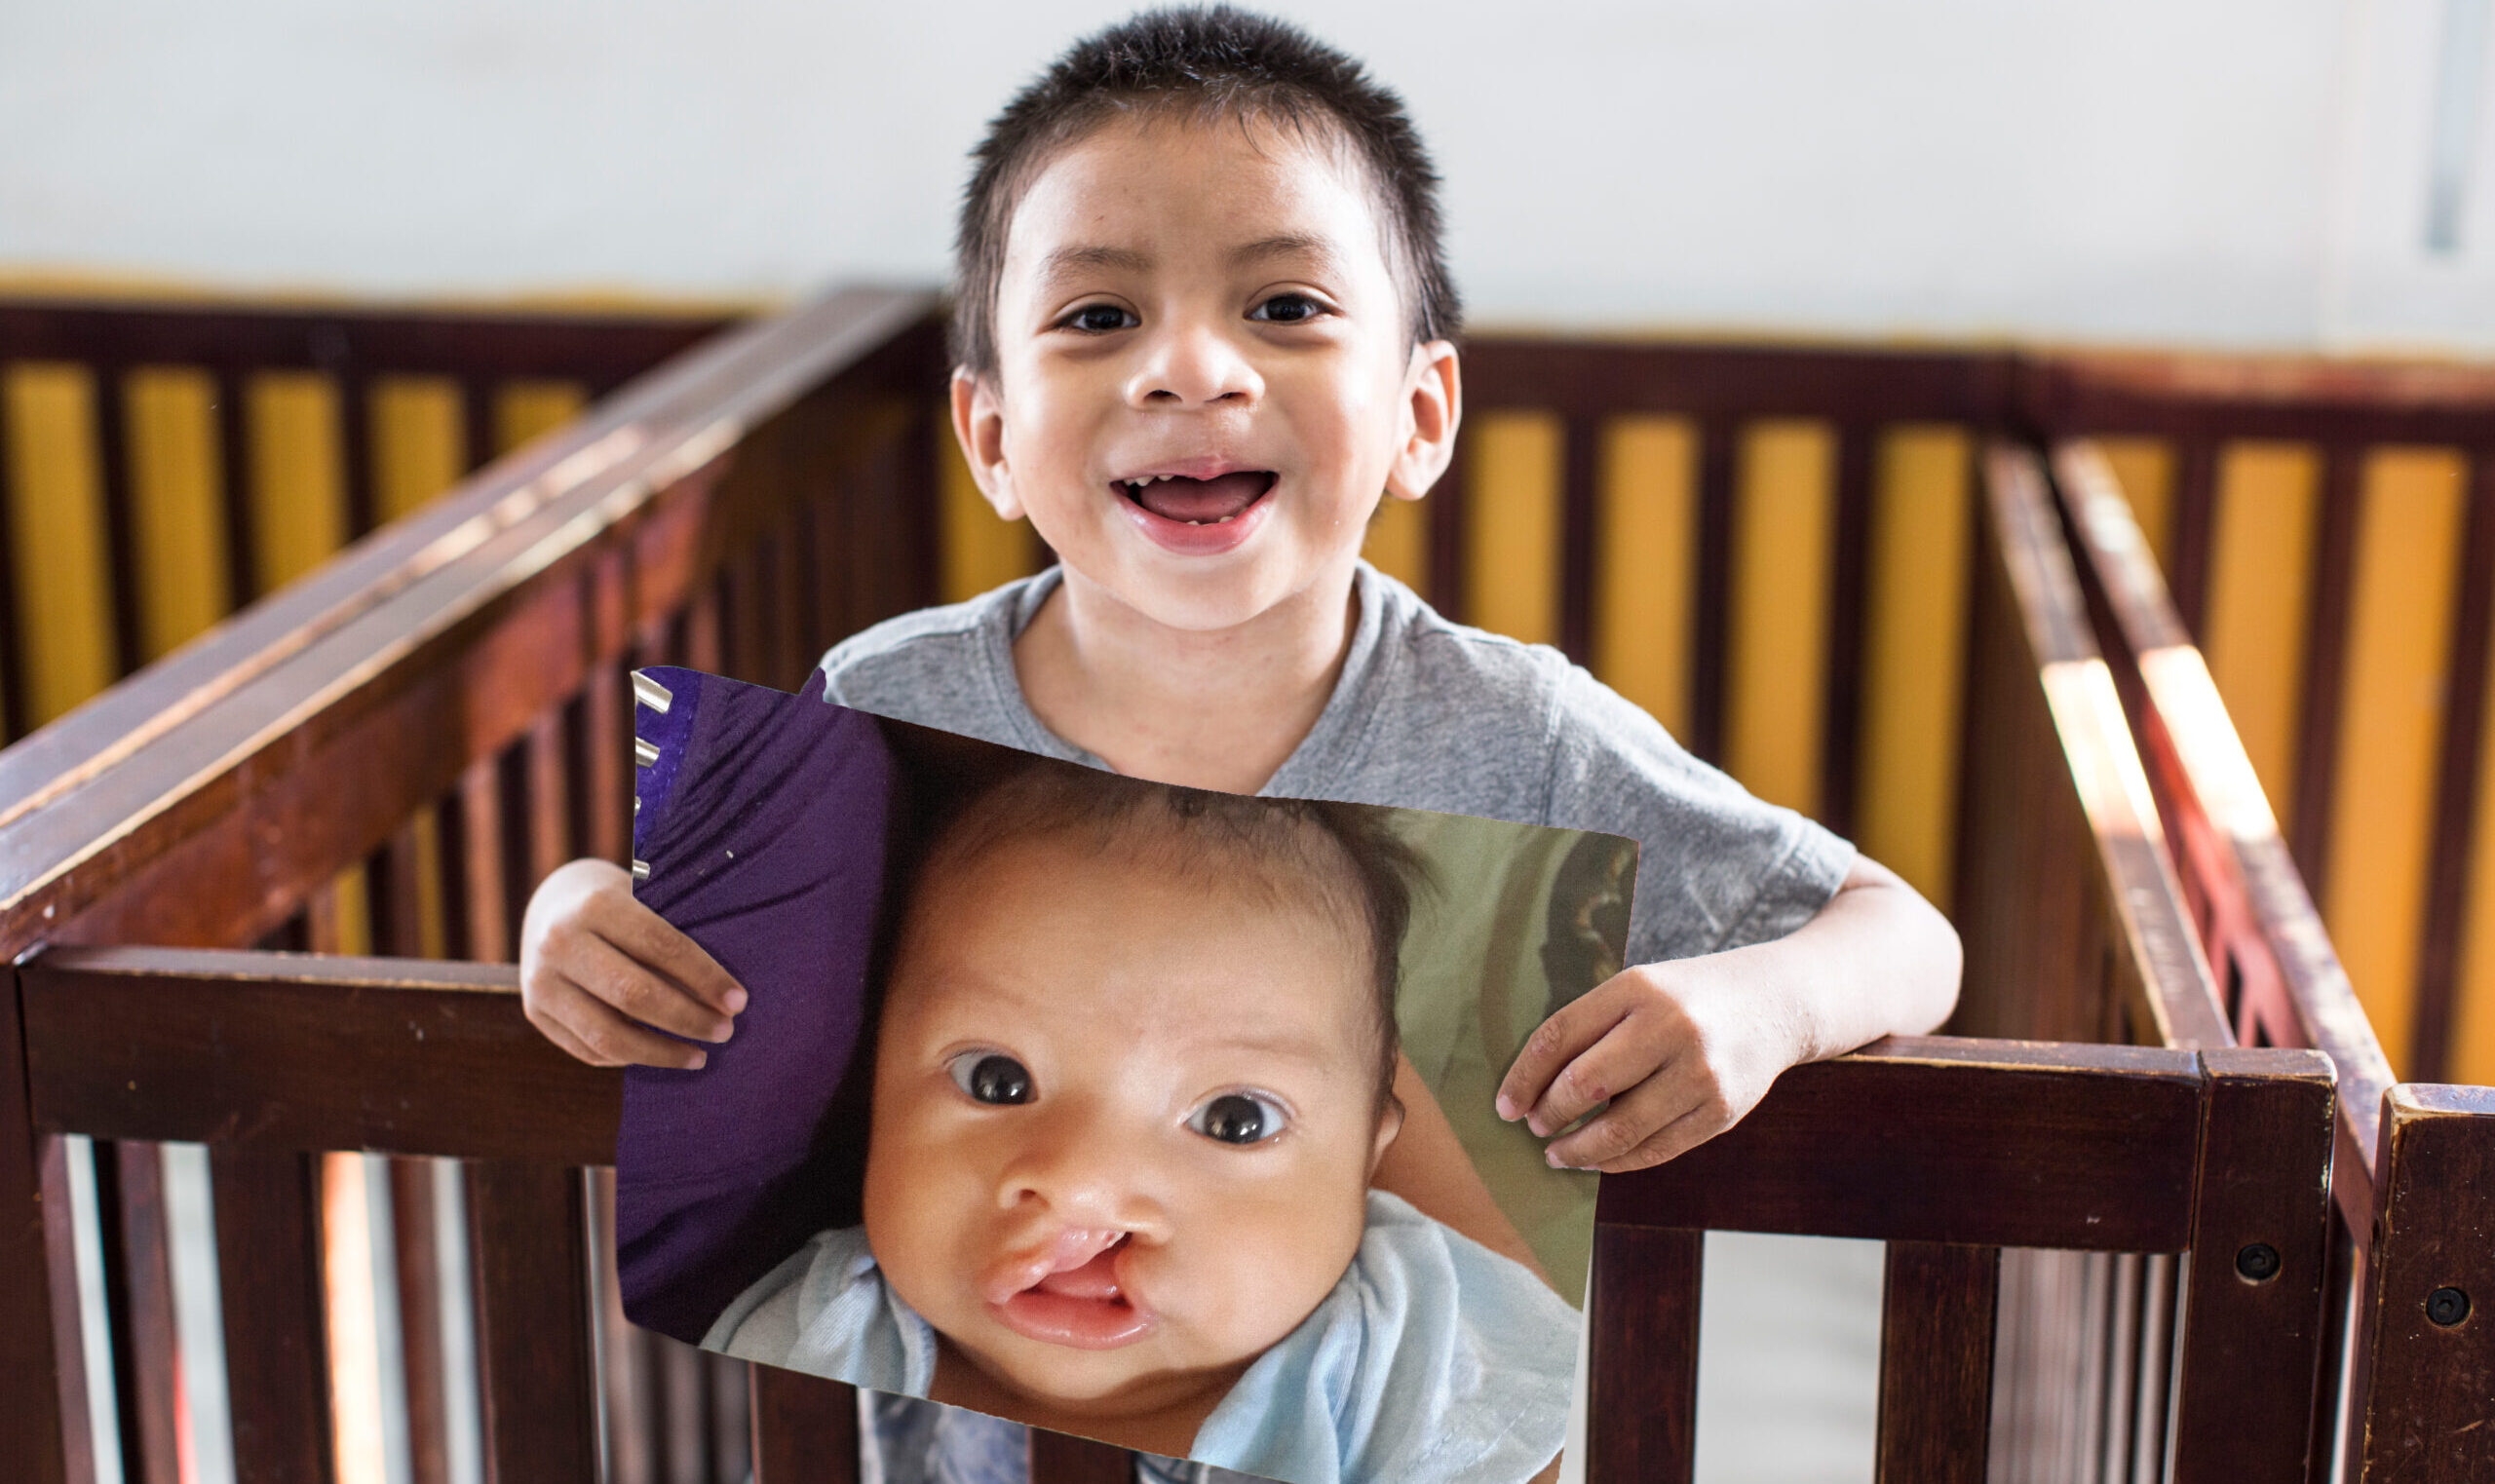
1346,857
1204,63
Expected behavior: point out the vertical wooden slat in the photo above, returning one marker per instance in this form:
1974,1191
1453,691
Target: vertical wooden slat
2428,1363
1645,551
732,1417
686,1405
1844,627
43,1393
418,1261
2458,781
1913,659
2308,806
529,1254
2471,1054
1580,469
805,1429
1783,560
2252,1322
486,924
1059,1458
1935,1363
234,484
2391,717
139,1288
2187,560
1513,548
119,508
2155,1404
1642,1407
268,1261
2122,1367
1720,447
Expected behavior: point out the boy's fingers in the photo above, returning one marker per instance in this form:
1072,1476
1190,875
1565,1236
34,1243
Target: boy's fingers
1669,1142
1633,1052
1624,1126
643,935
632,987
583,1025
1553,1045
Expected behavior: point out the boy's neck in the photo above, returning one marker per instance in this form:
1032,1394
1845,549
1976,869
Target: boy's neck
1221,710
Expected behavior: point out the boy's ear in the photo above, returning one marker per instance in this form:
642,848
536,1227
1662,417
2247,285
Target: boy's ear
978,426
1390,1122
1433,406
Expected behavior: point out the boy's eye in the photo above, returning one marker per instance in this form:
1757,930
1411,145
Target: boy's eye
1238,1118
1101,319
991,1076
1288,309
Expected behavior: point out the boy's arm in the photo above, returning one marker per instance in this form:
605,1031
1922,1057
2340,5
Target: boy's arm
597,970
1683,1049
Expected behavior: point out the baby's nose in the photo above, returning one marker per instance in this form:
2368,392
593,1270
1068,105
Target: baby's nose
1085,1178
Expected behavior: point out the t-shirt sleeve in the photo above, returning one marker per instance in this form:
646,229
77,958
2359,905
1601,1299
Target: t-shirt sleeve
1717,866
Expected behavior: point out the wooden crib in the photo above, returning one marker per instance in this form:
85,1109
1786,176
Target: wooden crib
1841,574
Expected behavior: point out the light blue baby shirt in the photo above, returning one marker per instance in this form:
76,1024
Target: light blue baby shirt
1433,1360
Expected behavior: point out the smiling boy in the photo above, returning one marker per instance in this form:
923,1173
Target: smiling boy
1205,247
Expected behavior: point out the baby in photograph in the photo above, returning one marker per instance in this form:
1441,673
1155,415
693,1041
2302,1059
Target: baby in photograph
1132,1073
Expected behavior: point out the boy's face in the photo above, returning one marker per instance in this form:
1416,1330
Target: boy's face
1122,1125
1211,303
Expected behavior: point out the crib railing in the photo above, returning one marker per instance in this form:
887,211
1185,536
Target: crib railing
2413,1207
382,758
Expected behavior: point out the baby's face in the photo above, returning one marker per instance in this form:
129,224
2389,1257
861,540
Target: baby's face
1206,371
1123,1125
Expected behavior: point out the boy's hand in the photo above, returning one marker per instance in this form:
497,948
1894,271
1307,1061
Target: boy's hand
1684,1050
1681,1051
597,968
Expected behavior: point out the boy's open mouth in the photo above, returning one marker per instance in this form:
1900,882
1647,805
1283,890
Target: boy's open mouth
1216,501
1073,1296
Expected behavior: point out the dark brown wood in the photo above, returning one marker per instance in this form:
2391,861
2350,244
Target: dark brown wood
1719,452
40,1389
805,1429
2426,1389
121,536
1915,1139
273,1052
2193,520
356,451
417,1258
1641,1406
2457,782
71,1427
1059,1458
731,1417
1935,1363
139,1298
2325,649
242,530
2252,1328
1847,619
528,1251
1581,471
268,1262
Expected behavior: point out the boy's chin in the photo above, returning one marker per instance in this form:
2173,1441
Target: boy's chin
1100,1384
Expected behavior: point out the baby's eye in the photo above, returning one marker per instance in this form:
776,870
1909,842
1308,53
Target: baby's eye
1101,319
1239,1118
1288,309
991,1076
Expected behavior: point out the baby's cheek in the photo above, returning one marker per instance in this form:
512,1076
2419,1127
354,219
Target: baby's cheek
1279,1260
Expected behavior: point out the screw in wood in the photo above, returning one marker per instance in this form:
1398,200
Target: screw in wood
2446,1306
2257,1262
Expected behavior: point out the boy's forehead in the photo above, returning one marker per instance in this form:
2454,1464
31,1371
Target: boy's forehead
1136,194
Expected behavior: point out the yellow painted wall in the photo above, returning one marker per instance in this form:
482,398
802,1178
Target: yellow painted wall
1646,563
61,566
1512,535
2253,628
1914,655
1783,536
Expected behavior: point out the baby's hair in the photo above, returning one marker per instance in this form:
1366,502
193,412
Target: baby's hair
1347,857
1203,65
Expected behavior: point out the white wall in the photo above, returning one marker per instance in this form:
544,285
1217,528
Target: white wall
2216,171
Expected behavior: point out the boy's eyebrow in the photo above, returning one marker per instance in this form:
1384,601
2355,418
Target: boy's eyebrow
1066,260
1282,245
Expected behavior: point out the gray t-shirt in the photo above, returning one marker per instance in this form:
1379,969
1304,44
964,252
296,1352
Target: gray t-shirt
1429,714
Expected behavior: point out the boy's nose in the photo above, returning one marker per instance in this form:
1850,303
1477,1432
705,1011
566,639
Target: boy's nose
1193,365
